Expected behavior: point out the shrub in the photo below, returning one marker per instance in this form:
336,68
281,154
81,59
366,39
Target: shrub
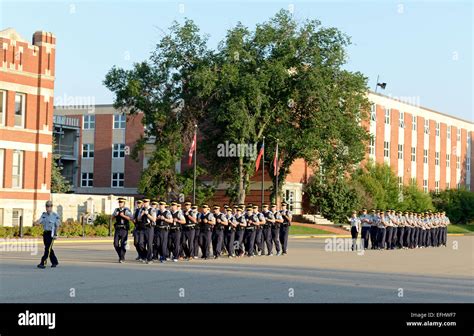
102,219
70,229
102,230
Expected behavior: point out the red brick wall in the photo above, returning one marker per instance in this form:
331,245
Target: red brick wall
103,150
442,156
394,115
419,154
380,130
431,156
453,156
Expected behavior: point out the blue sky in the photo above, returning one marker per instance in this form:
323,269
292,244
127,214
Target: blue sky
423,50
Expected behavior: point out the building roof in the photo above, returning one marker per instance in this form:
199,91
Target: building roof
12,34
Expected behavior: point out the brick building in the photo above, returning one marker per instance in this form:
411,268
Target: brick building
26,119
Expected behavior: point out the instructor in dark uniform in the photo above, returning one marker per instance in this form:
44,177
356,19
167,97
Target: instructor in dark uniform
122,216
50,221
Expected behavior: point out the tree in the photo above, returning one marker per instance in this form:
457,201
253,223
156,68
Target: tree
415,199
458,204
58,183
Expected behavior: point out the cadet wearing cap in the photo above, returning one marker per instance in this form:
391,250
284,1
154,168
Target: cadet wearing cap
249,237
135,229
50,221
190,216
267,228
122,216
174,237
240,231
285,227
259,246
373,229
366,222
275,230
164,219
355,228
218,232
229,233
147,217
207,221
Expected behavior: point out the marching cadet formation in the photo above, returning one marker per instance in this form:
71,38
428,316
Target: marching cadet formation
399,230
167,232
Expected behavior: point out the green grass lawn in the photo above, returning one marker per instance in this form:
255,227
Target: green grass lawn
461,228
303,230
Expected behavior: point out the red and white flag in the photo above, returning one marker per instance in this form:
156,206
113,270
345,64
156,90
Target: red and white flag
192,150
276,161
259,157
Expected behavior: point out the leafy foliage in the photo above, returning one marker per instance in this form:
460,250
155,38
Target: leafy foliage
58,183
458,204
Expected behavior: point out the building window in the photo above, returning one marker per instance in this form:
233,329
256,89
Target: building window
400,182
436,158
448,160
87,179
437,128
372,146
20,110
401,120
87,150
118,151
119,121
400,151
425,156
448,185
17,169
413,123
17,215
449,133
387,116
468,164
437,187
88,122
373,109
1,217
117,180
413,154
3,99
386,149
2,165
425,186
458,162
413,181
458,135
458,185
427,126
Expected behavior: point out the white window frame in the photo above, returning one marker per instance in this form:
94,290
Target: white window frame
118,151
88,179
448,185
373,110
400,151
21,164
413,154
448,160
372,146
437,187
458,134
458,162
88,122
3,107
120,121
87,151
427,126
468,164
118,178
23,109
448,135
413,120
438,126
387,116
425,186
400,182
386,149
425,156
16,219
436,158
401,120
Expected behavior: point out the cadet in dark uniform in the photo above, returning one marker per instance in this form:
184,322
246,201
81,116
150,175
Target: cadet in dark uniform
275,231
174,237
249,237
355,228
267,228
147,217
135,232
285,227
218,232
229,233
240,231
122,216
206,222
373,230
50,221
259,244
190,215
164,219
381,230
366,222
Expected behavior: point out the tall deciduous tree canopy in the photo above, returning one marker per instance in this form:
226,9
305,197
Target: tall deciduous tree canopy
283,80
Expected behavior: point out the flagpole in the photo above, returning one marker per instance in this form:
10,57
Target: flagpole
276,172
263,171
195,159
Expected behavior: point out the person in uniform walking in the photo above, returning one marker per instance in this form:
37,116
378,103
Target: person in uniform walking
366,222
229,233
190,216
389,218
240,231
259,244
373,230
135,231
50,221
275,229
218,231
381,230
249,237
122,216
164,220
355,228
285,226
148,218
267,228
206,223
174,237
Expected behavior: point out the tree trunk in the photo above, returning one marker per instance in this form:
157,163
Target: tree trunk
241,191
